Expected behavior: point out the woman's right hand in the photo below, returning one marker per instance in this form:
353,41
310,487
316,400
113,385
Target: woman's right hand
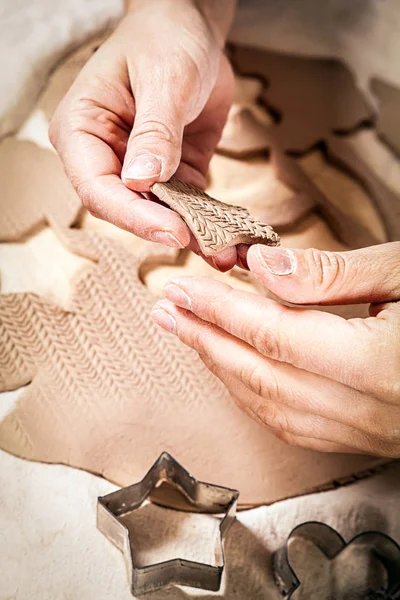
151,102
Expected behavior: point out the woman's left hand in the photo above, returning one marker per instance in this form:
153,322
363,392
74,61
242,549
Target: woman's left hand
313,378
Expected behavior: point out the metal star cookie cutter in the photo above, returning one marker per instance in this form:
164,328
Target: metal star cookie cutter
215,225
331,543
202,497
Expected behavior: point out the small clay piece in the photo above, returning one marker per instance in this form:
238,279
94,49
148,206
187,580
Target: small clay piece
214,224
314,97
388,122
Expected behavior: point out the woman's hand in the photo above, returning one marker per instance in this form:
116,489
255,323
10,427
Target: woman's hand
152,101
313,378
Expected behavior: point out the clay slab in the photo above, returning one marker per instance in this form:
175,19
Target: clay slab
99,371
314,97
35,190
388,122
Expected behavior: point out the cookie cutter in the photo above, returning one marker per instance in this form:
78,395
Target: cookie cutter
167,473
331,543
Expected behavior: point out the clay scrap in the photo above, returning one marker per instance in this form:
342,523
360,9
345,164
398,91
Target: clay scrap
214,224
314,97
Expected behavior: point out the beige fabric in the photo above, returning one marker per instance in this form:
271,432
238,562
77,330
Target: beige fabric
50,547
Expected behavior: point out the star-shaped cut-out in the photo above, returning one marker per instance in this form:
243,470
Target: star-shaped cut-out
164,475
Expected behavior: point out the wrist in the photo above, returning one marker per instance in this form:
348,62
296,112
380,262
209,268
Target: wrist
217,15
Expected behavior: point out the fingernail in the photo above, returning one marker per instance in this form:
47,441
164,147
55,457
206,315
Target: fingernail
177,296
277,260
163,319
143,166
166,238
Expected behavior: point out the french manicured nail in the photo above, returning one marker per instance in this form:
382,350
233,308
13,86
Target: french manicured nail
278,261
177,296
163,319
144,166
166,238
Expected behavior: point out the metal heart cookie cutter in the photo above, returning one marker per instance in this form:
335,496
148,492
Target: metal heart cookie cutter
202,497
331,543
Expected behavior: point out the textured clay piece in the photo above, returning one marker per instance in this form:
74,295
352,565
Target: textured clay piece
108,391
315,97
214,224
37,190
388,122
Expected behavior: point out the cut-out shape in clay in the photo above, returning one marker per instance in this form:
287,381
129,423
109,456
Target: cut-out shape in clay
315,97
46,195
243,135
108,390
388,122
214,224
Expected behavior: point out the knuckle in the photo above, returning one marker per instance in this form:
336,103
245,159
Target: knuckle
383,425
54,132
274,416
288,438
199,339
156,131
326,268
271,339
253,377
87,197
389,388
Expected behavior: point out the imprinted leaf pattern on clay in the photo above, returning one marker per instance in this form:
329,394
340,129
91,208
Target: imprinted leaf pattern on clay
214,224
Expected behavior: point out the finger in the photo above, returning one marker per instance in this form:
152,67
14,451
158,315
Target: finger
278,395
287,423
177,125
318,342
155,144
94,170
317,277
223,261
319,445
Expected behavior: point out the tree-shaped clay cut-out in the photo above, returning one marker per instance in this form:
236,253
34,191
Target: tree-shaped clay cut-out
109,391
215,225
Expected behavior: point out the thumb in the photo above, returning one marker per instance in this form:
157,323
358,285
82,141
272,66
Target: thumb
155,144
317,277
